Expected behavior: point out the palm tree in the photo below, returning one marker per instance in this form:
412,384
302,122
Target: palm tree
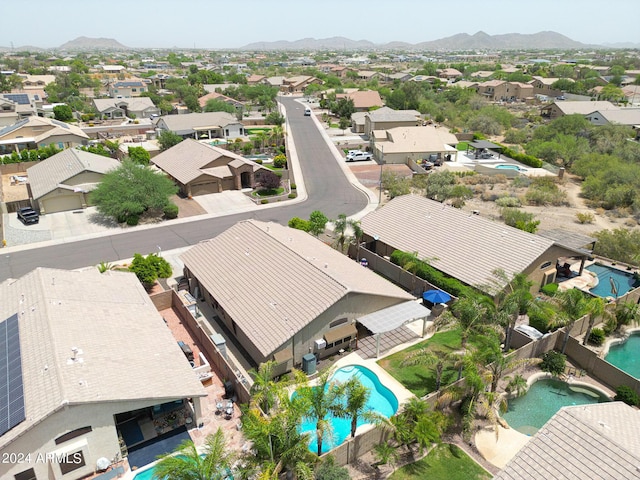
189,465
573,305
596,308
355,406
428,358
265,389
516,385
277,134
319,402
340,225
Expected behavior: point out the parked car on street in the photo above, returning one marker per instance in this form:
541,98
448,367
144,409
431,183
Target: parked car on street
28,216
359,157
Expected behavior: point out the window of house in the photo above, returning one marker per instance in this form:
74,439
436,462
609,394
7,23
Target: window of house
545,265
134,90
329,345
72,434
338,342
73,461
26,475
226,132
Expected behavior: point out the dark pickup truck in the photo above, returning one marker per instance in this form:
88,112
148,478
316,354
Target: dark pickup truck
28,216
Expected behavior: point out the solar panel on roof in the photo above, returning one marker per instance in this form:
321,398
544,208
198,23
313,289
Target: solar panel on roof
19,98
11,388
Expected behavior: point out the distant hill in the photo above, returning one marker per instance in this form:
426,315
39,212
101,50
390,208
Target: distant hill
622,45
461,41
86,43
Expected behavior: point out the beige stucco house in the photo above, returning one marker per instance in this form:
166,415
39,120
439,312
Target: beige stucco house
462,245
90,359
282,293
386,118
34,132
402,144
65,180
199,168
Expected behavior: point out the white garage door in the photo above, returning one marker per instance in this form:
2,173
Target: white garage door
62,203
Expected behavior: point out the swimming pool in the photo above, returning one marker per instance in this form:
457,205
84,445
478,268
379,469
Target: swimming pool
527,414
624,282
625,355
510,167
381,400
149,472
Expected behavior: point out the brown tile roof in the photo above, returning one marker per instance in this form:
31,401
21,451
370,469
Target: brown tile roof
585,442
273,280
465,246
125,352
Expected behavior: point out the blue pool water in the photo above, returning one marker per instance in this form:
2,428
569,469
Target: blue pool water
626,356
381,400
527,414
624,281
510,167
148,474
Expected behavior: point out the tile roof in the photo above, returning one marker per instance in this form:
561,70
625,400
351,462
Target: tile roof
428,138
584,107
186,123
124,350
465,246
190,159
363,98
585,442
274,280
47,175
135,104
386,114
35,121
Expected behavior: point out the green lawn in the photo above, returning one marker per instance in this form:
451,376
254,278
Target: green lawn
270,192
444,462
462,146
419,379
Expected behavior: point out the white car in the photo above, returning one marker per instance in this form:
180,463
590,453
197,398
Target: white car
359,157
529,331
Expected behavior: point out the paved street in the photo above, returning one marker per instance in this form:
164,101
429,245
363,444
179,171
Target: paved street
328,190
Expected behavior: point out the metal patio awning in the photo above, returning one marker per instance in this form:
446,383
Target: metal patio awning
394,317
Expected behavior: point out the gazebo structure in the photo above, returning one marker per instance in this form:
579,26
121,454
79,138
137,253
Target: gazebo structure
393,317
481,148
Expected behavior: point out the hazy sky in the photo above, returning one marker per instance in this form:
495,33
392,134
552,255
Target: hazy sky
234,23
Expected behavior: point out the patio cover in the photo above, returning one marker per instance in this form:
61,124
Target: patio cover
394,317
480,144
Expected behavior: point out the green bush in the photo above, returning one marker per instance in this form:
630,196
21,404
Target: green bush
294,186
264,201
529,160
550,289
148,269
299,224
520,219
292,195
508,202
627,395
597,337
279,161
585,217
258,161
553,362
540,316
132,220
170,211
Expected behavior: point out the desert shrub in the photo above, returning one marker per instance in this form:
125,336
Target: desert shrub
597,337
132,220
258,161
585,217
264,201
627,395
545,191
553,362
294,186
521,182
519,219
484,179
299,224
279,161
292,195
550,289
170,211
510,202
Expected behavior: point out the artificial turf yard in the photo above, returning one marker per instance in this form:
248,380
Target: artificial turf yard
419,379
444,462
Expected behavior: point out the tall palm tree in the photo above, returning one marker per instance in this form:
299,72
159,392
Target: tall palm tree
573,305
277,134
340,225
265,389
355,406
189,465
596,308
319,402
428,358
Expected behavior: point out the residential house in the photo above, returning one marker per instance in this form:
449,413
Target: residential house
482,74
629,117
358,122
8,112
34,132
282,293
366,75
298,83
590,442
127,88
65,180
559,109
256,79
462,245
399,76
363,100
401,144
202,125
543,86
385,118
26,103
500,90
218,96
341,71
37,82
632,94
112,69
159,80
201,169
88,361
449,74
136,107
425,78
